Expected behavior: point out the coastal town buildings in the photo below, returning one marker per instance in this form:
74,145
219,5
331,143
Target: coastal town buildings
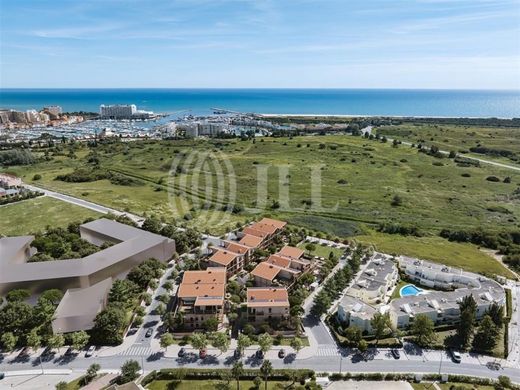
123,111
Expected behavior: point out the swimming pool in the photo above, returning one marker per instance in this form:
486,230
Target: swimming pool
409,289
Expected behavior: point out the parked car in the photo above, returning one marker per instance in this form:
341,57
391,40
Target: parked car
182,352
495,366
259,354
455,356
396,354
203,353
281,353
149,333
90,351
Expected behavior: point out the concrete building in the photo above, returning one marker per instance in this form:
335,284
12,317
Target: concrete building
79,307
363,300
7,180
355,312
376,281
117,111
266,304
201,296
231,261
131,247
280,267
266,229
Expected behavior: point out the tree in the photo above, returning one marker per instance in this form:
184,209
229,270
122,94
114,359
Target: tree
267,370
123,291
237,371
243,342
79,340
34,340
56,341
362,346
257,382
62,385
380,325
487,334
129,372
310,247
496,312
152,225
354,335
265,341
296,344
166,340
424,331
199,341
321,304
53,296
160,309
396,201
9,341
18,295
468,312
108,325
220,341
211,324
92,372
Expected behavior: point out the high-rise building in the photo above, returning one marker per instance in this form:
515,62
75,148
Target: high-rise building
117,111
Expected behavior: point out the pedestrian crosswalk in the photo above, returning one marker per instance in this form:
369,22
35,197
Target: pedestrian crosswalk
331,350
137,350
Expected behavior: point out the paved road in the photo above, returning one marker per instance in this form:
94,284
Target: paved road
84,203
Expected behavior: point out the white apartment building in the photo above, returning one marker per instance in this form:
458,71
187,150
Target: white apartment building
117,111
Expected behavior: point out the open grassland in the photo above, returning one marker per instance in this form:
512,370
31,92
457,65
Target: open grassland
359,179
459,138
465,256
355,182
33,215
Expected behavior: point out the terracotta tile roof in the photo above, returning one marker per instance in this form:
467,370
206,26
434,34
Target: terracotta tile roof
210,276
280,261
266,270
267,297
251,241
254,231
236,247
291,251
273,222
201,290
223,257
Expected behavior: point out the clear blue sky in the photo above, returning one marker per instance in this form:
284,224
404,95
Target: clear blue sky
260,43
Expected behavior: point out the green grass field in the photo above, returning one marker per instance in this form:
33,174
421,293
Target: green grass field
458,138
33,215
465,256
447,386
357,180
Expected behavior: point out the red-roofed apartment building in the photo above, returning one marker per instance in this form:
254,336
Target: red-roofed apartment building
265,229
201,296
280,266
265,304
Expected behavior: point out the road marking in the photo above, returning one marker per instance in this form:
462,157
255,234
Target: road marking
136,351
329,351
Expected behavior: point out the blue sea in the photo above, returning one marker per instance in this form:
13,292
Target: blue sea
391,102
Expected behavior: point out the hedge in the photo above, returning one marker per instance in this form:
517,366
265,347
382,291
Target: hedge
202,373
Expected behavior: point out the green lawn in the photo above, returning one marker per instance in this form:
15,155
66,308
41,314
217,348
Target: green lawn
33,215
465,256
209,385
397,289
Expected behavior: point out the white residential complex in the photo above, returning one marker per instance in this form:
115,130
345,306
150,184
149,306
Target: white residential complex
123,111
371,292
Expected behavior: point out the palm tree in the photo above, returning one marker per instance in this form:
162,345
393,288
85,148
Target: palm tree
267,370
237,371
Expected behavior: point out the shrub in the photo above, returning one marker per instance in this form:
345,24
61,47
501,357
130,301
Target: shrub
492,178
